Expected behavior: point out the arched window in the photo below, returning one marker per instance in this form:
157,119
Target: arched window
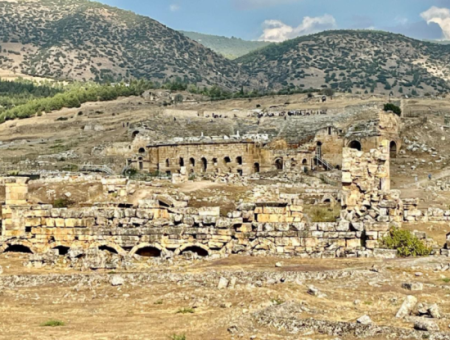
214,160
256,168
149,252
355,145
393,149
141,150
319,149
18,248
167,162
197,250
181,161
204,164
227,160
239,160
279,164
135,133
141,164
192,162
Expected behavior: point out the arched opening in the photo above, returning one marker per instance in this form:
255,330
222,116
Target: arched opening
227,160
181,161
239,160
18,248
141,165
305,162
204,164
108,249
279,164
240,172
197,250
319,149
62,250
141,150
149,252
167,163
393,149
256,168
355,145
192,162
214,160
135,133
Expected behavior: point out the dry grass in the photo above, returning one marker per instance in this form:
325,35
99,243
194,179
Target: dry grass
319,213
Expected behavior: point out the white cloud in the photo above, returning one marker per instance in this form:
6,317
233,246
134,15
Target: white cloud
276,31
440,16
253,4
174,7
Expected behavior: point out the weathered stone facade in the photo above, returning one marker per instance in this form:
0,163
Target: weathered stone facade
219,155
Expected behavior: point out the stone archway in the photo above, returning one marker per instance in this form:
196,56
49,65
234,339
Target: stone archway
393,149
355,145
256,168
279,164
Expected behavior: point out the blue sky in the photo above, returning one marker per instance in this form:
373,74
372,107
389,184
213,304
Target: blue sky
278,20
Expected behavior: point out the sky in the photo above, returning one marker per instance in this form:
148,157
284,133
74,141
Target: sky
279,20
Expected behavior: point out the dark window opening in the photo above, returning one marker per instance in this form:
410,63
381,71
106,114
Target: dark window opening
239,160
393,150
149,252
62,250
256,168
227,160
197,250
192,161
135,133
18,248
181,161
279,164
204,164
141,150
355,145
109,249
28,229
240,172
167,163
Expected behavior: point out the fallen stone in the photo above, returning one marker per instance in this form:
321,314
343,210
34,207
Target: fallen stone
364,320
407,306
413,286
116,280
223,283
426,325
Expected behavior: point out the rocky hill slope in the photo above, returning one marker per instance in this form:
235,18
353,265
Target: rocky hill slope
83,40
361,61
230,48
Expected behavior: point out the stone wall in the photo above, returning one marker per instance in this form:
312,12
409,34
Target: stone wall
167,226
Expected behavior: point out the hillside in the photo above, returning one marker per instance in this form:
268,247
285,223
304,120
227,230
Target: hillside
83,40
360,61
231,48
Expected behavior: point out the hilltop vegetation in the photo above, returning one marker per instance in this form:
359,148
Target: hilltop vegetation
89,41
230,48
357,61
85,41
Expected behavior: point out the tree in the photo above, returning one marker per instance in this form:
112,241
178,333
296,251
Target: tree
393,108
329,92
178,99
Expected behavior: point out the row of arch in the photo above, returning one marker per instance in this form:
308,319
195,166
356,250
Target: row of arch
279,163
355,144
143,249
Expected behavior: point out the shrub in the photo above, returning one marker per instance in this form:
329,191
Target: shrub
52,323
185,311
178,337
393,108
406,243
62,203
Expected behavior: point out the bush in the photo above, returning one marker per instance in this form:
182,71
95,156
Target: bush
62,203
406,243
52,323
178,337
185,311
393,108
